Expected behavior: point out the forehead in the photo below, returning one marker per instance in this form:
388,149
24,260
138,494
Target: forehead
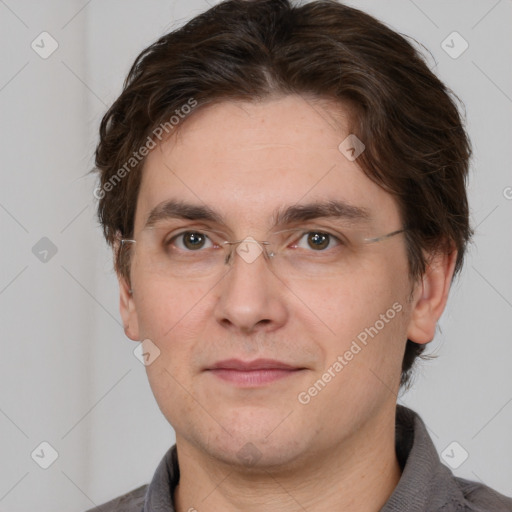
245,160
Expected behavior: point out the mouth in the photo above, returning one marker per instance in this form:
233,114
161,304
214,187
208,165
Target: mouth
252,373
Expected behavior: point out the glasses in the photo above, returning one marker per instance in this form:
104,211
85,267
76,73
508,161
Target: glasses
297,253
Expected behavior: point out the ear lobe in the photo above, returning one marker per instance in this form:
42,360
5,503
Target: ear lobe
128,310
430,297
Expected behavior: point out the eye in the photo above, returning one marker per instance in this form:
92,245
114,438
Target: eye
317,240
191,241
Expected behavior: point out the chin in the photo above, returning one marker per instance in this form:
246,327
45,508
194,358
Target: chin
255,446
255,455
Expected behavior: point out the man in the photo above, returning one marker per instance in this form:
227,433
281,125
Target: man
284,190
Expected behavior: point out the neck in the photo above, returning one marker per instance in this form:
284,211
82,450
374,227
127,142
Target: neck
358,475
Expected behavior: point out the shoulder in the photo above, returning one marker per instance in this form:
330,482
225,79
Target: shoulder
480,498
429,485
132,501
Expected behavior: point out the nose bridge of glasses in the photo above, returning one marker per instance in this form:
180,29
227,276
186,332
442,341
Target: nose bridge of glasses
248,249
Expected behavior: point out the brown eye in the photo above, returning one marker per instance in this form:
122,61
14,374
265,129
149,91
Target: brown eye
191,240
318,241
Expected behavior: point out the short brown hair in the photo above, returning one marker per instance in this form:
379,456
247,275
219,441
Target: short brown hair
416,145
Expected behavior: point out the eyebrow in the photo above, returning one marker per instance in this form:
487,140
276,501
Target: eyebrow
334,209
173,209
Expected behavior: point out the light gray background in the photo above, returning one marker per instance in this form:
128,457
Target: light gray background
68,374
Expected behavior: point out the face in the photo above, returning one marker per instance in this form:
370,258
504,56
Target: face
332,345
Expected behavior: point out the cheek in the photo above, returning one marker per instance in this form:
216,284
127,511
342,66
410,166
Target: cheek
166,311
171,388
350,305
369,308
172,319
365,354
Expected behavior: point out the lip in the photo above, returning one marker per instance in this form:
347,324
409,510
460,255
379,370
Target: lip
257,364
252,373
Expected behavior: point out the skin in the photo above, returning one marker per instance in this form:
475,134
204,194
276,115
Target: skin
337,451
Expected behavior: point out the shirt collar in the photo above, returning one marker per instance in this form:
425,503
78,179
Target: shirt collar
426,484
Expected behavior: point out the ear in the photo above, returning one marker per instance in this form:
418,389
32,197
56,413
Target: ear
430,295
127,309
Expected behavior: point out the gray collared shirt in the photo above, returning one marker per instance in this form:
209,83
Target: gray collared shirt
426,485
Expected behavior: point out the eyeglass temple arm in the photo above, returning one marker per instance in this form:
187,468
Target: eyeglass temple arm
383,237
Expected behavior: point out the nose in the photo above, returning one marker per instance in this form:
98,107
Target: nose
251,297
